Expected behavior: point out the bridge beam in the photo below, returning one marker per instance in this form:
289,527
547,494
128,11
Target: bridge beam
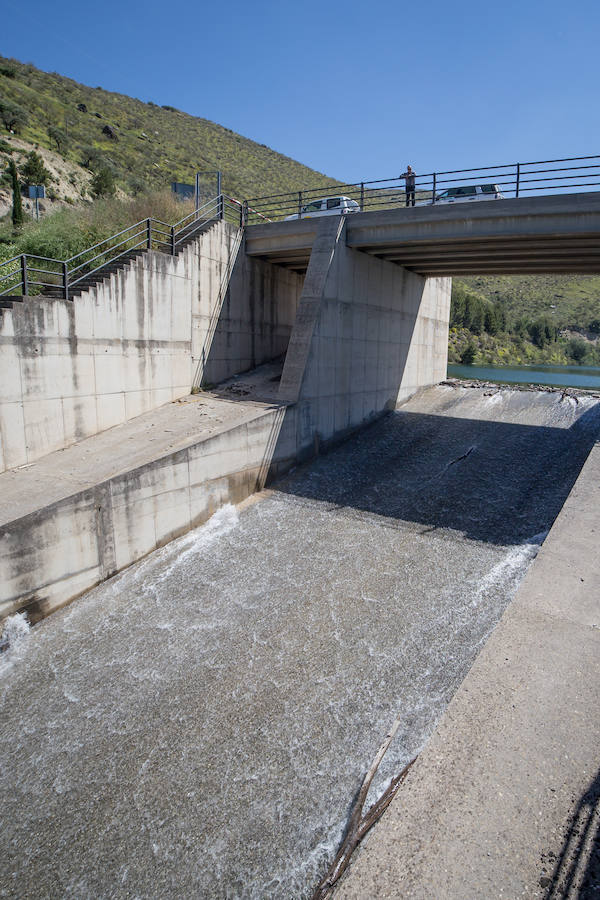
531,233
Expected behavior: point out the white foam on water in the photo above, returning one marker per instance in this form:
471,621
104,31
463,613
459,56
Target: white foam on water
14,636
511,567
156,568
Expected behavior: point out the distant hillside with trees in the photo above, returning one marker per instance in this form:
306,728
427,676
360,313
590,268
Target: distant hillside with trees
525,320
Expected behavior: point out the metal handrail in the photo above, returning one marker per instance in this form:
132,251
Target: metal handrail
214,201
114,247
42,271
25,264
104,241
12,259
9,275
102,265
514,178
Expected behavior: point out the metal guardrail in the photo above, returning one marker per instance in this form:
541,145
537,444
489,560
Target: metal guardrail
22,273
513,180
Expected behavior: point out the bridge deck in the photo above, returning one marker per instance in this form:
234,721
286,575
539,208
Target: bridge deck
537,235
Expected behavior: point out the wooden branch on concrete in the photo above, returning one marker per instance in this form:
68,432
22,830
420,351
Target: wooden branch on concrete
359,825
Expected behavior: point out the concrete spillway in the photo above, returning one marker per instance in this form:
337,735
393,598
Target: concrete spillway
198,725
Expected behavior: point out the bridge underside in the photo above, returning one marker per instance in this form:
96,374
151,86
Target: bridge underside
539,235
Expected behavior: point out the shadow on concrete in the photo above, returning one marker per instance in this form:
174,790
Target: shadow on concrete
576,872
492,481
251,319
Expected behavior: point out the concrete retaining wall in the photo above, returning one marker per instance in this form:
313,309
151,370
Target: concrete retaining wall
368,334
71,369
56,553
251,321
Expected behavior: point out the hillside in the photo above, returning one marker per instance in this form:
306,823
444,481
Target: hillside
80,131
569,301
148,146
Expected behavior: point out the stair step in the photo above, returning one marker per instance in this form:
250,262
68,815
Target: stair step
184,237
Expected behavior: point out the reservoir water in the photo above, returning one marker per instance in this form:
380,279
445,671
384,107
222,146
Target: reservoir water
198,725
584,377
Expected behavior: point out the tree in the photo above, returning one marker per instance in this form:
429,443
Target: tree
468,355
577,349
490,321
542,332
477,317
13,116
103,183
500,312
59,137
92,158
34,171
17,210
595,326
537,333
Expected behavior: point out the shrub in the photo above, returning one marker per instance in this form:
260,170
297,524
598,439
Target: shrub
34,171
103,183
13,116
577,349
68,231
468,355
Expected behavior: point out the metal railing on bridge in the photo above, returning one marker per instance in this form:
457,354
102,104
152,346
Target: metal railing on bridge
513,180
27,273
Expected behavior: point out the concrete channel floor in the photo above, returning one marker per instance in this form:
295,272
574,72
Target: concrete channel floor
504,801
198,725
132,444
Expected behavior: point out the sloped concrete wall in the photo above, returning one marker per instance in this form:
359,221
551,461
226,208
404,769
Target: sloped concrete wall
54,554
71,369
368,334
251,321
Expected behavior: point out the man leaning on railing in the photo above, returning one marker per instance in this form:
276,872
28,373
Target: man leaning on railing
409,179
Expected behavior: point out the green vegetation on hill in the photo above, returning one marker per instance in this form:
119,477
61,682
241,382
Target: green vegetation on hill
146,146
569,301
135,149
525,320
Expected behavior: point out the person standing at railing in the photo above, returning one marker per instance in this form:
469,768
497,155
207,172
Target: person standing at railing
409,180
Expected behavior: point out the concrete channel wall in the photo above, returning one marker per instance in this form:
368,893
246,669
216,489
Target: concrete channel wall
63,548
71,369
368,335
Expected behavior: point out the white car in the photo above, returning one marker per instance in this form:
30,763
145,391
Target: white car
328,206
468,192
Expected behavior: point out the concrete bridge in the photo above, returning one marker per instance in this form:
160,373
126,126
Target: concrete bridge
537,235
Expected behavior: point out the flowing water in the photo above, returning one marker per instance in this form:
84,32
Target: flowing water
199,725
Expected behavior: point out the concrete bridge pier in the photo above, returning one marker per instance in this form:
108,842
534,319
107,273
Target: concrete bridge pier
368,334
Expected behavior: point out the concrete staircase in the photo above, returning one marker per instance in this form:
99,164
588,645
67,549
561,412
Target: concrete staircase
7,302
184,237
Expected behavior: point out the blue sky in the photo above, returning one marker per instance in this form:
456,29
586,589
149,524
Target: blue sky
353,89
